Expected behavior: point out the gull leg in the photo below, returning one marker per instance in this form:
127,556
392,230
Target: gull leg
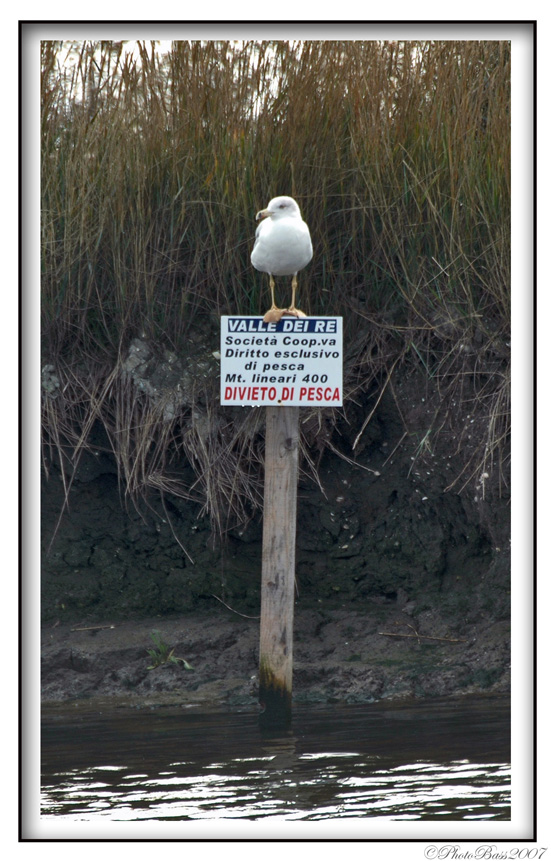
293,309
275,314
272,289
294,289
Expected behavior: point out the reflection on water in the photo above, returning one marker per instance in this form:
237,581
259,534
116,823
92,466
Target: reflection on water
437,760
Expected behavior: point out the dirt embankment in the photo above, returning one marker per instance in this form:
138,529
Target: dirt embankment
402,581
340,656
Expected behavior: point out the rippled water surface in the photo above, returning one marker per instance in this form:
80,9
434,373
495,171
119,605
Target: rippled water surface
431,760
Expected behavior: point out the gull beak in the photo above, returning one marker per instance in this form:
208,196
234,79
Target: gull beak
264,213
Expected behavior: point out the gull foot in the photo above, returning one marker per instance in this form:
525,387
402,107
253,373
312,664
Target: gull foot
274,315
294,312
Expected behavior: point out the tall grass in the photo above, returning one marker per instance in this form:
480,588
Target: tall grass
152,169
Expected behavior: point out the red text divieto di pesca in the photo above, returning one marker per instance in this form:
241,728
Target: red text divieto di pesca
276,394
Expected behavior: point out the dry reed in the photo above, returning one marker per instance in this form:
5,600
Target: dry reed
152,169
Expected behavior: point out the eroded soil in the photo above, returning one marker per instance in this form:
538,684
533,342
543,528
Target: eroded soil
402,580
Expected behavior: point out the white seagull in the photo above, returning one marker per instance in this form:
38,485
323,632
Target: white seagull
282,247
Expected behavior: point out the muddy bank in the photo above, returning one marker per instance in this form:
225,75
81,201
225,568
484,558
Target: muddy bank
388,543
340,656
382,521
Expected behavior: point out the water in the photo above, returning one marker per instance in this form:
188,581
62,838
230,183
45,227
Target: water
431,760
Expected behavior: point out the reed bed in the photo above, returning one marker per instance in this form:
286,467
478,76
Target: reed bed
153,167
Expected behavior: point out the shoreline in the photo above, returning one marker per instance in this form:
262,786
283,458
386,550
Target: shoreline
340,656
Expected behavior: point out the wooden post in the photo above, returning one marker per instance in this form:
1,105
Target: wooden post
278,565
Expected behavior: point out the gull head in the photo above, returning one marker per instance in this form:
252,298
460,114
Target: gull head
280,207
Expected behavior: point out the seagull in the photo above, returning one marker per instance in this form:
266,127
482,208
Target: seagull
282,247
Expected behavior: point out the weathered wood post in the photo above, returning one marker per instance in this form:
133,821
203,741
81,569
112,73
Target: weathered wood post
278,564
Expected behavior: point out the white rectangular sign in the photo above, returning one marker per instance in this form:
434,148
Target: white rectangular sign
296,362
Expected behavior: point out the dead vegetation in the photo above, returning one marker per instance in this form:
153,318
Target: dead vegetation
152,169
